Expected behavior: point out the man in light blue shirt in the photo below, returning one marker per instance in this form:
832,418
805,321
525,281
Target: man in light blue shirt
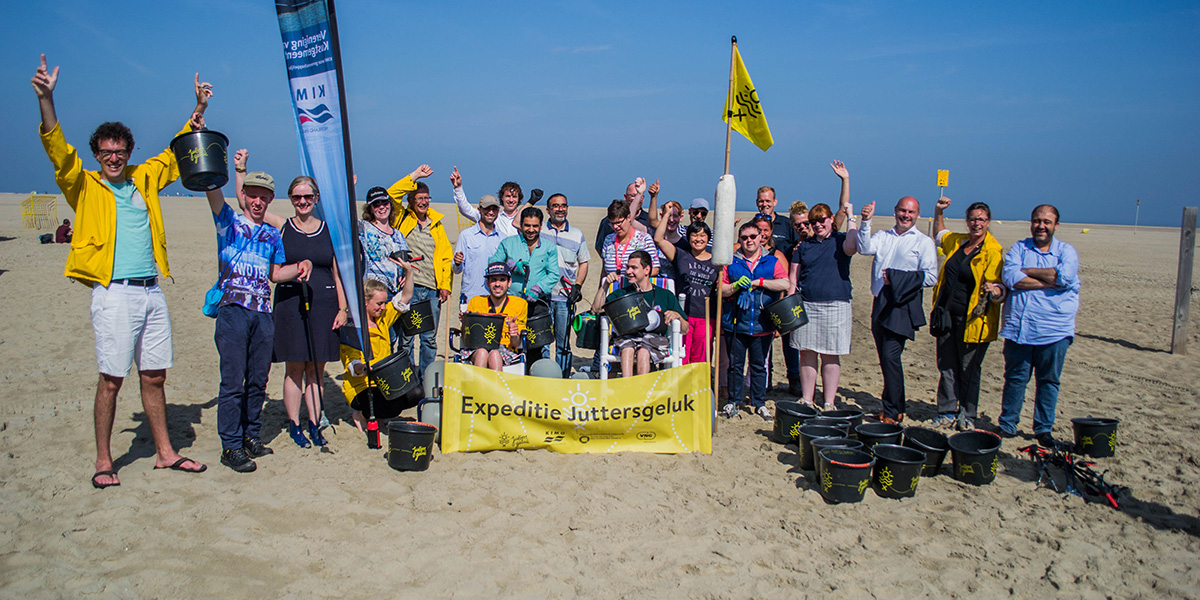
1038,321
475,247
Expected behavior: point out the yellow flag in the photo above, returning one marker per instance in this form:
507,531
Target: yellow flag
742,106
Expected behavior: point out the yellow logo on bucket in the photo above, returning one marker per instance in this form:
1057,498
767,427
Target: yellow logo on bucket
775,318
489,334
634,311
797,311
407,374
415,318
419,451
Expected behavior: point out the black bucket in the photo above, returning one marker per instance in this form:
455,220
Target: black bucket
789,416
1095,436
878,433
822,443
823,421
394,376
934,444
410,445
845,474
808,433
539,331
587,331
787,314
897,470
855,417
419,318
975,456
482,330
202,159
628,312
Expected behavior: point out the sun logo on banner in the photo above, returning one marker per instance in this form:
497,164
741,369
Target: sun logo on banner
580,400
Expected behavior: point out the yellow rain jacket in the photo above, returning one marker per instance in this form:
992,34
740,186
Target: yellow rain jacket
91,257
985,266
405,220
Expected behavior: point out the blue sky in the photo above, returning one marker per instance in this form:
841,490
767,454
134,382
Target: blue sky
1088,105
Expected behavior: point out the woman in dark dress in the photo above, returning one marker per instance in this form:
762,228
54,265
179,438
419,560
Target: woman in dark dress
306,237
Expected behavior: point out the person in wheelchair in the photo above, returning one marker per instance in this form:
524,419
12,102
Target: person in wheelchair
381,314
514,309
650,346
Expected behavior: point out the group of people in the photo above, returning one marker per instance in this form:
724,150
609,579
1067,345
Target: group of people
517,262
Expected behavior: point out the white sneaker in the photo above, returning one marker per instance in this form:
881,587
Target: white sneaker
763,412
729,410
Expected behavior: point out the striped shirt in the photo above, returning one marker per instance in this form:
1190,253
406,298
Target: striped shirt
615,255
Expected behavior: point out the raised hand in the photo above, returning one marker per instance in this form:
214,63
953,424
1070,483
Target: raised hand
640,184
455,178
44,80
654,189
421,172
839,169
203,93
943,203
240,157
197,121
868,211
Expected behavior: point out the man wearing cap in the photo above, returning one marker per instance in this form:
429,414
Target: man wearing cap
250,256
1038,322
118,249
510,196
697,212
475,247
573,257
425,231
514,309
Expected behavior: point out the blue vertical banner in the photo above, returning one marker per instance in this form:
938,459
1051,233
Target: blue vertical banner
310,50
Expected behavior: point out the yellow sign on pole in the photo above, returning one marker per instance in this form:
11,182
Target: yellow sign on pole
943,178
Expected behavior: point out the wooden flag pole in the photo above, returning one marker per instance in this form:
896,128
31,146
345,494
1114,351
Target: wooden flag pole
729,113
716,355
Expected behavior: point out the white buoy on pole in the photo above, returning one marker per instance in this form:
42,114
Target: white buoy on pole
723,233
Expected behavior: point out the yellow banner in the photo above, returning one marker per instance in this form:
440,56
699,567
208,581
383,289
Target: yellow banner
667,411
742,109
943,178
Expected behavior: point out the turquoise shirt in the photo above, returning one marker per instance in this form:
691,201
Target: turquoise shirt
534,273
133,254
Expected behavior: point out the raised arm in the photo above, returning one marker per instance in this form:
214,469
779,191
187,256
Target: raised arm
863,237
839,216
850,244
939,219
660,237
239,178
44,81
653,214
460,198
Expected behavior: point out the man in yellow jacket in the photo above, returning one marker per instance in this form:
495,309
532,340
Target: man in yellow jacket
118,250
424,230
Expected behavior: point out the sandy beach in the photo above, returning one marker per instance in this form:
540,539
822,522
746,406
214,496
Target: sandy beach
741,522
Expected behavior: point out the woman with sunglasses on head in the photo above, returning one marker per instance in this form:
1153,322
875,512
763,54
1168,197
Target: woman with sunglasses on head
821,272
968,293
380,241
305,237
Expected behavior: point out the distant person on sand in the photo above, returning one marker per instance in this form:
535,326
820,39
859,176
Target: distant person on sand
1039,321
250,254
62,235
905,263
118,207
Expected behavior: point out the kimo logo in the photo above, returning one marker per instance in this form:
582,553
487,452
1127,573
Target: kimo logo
319,114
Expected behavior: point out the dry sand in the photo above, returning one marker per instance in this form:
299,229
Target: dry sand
741,522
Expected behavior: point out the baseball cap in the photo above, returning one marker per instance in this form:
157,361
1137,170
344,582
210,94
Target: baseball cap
259,179
377,194
699,203
497,269
488,200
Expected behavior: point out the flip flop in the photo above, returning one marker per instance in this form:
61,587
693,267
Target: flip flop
178,466
100,486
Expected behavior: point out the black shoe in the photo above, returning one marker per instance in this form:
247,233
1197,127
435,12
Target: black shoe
237,460
1004,434
255,448
1046,440
794,388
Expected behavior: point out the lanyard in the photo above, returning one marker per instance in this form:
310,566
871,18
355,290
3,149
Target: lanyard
621,251
492,308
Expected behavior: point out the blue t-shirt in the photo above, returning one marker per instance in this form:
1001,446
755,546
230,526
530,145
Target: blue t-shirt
824,269
246,252
133,252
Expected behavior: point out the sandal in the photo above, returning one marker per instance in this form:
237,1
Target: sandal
110,473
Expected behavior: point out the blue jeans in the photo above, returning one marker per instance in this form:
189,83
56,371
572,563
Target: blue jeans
1046,362
756,346
245,340
428,351
562,334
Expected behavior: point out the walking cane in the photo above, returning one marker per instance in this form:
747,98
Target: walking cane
305,316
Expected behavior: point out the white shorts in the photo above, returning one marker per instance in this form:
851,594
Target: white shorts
131,323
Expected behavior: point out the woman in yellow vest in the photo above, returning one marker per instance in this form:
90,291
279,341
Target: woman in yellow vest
381,315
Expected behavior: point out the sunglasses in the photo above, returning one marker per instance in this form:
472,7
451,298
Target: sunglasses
749,237
698,211
303,196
